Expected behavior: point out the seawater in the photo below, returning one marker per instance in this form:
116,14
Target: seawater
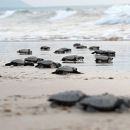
65,23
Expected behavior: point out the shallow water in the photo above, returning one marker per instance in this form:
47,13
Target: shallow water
8,52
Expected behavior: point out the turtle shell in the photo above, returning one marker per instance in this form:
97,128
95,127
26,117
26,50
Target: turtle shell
33,59
101,102
76,44
47,64
17,62
81,47
94,48
66,70
105,52
45,48
62,50
25,51
68,98
72,58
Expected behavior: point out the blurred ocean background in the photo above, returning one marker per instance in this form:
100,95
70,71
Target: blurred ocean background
66,23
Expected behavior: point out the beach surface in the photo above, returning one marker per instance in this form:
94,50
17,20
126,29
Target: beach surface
24,91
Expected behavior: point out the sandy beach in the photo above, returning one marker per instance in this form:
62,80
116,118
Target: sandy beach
24,91
24,105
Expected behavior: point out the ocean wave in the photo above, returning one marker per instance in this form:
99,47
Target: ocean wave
119,14
62,14
48,14
14,13
7,14
65,24
35,14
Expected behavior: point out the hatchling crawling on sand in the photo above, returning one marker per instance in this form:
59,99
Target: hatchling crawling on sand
94,48
76,44
62,51
105,52
73,58
19,62
47,64
81,47
66,70
33,59
91,103
45,48
67,98
103,59
105,103
24,52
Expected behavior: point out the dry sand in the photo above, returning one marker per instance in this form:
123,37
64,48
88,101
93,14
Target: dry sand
24,105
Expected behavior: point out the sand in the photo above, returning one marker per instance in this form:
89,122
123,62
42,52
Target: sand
24,93
24,105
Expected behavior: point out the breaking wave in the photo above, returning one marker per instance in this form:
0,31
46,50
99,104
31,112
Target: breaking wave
84,23
62,14
52,15
7,14
119,14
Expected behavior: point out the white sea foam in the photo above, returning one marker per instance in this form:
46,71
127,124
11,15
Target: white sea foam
119,14
62,14
7,14
75,24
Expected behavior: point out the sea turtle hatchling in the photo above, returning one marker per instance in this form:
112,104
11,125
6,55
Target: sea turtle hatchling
47,64
67,98
19,62
104,103
66,70
24,52
73,58
33,59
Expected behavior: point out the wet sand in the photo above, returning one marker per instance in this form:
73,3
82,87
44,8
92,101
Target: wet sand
24,92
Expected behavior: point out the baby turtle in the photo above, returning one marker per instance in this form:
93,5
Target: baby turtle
73,58
47,64
45,48
81,47
76,44
25,52
19,62
104,103
105,52
103,59
33,59
94,48
66,70
68,98
63,51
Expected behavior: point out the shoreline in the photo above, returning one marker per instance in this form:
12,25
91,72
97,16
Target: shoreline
53,40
